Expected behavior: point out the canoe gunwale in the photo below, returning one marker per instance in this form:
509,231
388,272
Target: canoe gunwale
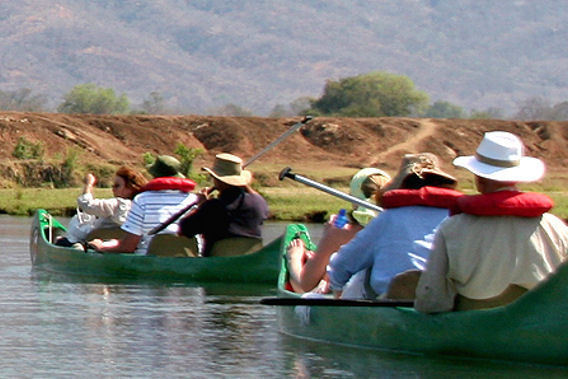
261,266
533,329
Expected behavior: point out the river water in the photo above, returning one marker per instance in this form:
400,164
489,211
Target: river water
60,326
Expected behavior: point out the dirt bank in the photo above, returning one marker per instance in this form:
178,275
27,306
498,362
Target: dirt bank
342,142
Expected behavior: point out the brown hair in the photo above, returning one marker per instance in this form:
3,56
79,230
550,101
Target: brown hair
132,179
372,185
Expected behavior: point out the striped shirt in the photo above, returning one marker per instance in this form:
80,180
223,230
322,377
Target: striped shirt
152,208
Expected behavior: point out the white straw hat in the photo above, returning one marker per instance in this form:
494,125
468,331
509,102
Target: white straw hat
500,157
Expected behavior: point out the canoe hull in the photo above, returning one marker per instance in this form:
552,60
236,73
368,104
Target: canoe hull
258,267
533,329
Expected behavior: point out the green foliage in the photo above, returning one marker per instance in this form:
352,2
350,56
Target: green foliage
444,109
88,98
22,100
68,167
148,158
487,114
187,156
25,149
103,172
375,94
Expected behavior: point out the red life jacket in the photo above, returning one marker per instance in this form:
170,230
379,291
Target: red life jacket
504,203
169,183
427,196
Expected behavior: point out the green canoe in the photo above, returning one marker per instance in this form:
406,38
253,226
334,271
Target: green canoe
532,329
261,266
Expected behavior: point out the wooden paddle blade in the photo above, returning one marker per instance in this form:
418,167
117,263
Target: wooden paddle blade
292,301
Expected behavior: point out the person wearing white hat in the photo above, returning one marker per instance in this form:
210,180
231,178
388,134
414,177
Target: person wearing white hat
498,244
238,210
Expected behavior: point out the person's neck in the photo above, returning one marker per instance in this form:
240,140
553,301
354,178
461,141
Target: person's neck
500,187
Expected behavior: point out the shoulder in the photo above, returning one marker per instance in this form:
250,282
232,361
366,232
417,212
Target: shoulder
556,223
255,198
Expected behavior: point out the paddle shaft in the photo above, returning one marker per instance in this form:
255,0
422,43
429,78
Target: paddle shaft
282,137
286,173
293,301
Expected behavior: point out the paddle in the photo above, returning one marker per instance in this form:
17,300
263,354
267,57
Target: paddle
282,137
286,173
287,301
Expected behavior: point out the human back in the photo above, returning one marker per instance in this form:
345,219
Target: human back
415,202
498,244
236,211
151,209
505,241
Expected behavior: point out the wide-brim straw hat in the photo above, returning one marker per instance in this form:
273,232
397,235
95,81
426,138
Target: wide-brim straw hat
423,168
228,168
363,186
165,166
500,157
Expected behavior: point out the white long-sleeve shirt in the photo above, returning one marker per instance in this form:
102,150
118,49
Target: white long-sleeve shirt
109,212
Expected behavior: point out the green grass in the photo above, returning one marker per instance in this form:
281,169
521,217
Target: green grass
291,202
24,201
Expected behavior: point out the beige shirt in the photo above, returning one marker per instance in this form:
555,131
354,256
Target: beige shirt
479,257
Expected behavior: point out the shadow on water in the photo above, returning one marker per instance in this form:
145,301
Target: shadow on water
211,289
307,358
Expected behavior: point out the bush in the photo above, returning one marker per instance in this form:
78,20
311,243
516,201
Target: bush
25,149
376,94
187,156
88,98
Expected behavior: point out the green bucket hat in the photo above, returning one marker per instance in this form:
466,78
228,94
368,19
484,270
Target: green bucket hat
165,165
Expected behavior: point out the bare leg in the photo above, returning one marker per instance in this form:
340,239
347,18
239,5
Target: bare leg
295,252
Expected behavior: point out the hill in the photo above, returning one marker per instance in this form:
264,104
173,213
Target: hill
330,145
204,54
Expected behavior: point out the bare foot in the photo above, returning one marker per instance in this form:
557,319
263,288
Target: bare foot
296,248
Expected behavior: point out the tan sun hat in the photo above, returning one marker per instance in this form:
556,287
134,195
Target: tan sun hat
417,170
228,168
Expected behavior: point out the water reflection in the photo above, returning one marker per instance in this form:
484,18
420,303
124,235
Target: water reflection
60,326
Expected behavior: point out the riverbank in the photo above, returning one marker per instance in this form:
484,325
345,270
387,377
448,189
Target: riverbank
301,204
51,150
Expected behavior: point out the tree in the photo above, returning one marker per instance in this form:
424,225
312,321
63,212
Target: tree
88,98
231,110
487,114
533,108
444,109
371,95
155,104
560,111
22,100
278,111
301,106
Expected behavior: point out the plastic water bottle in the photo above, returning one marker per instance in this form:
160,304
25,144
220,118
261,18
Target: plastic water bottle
341,219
